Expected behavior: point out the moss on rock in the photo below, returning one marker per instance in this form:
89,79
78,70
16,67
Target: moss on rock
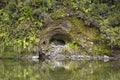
87,40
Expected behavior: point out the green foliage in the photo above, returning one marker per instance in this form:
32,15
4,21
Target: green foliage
101,49
18,27
21,21
74,45
58,14
112,35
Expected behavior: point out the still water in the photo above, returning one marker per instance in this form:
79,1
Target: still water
59,70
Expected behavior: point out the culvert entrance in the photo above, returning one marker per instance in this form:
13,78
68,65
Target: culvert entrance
60,39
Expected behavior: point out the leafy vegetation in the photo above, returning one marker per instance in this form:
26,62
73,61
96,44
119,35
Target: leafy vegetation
21,21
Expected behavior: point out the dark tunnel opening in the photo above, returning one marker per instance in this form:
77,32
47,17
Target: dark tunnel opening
60,39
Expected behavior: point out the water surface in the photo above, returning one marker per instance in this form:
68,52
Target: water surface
59,70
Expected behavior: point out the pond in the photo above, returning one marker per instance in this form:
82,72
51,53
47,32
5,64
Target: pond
59,70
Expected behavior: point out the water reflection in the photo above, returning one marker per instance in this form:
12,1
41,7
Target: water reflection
59,70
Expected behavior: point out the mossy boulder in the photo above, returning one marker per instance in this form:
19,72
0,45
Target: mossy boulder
72,31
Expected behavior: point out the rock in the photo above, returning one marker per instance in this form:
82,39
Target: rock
35,57
71,30
106,57
57,57
46,17
42,56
